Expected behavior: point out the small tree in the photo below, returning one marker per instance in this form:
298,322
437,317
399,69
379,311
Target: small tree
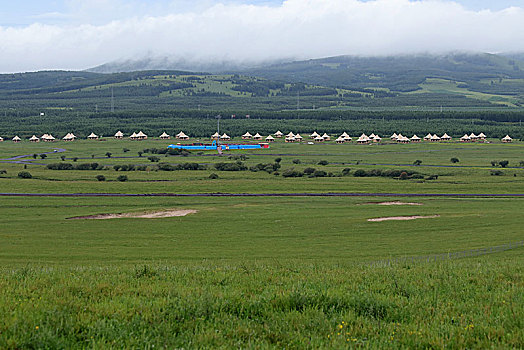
125,150
108,154
122,178
140,154
278,160
75,159
43,156
454,160
63,158
92,156
101,178
296,161
25,175
153,159
417,162
323,162
35,155
503,163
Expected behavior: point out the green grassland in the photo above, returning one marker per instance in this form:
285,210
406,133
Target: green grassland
261,272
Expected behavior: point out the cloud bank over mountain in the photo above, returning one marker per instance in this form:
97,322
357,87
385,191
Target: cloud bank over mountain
106,30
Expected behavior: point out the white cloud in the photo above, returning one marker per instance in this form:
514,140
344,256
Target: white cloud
232,31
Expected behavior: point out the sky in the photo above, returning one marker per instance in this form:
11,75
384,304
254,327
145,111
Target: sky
79,34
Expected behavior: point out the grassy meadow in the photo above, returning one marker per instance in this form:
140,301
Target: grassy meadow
261,272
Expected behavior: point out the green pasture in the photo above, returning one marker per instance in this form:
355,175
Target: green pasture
443,86
261,272
472,174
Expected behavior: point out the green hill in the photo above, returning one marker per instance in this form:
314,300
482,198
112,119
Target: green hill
344,82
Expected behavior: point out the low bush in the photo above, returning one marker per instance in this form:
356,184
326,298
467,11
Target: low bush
25,175
292,173
238,166
69,166
101,178
122,178
323,162
213,176
497,173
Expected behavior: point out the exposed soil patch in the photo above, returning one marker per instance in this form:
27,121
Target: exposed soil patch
403,218
143,215
392,203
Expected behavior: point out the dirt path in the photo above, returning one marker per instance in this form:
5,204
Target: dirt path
22,159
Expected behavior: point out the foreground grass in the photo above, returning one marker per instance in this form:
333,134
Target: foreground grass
472,303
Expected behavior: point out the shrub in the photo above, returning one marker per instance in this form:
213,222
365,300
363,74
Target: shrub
360,173
101,178
153,159
309,171
125,150
346,171
116,167
75,159
63,158
497,173
431,177
3,171
320,173
25,175
122,178
35,155
109,154
43,156
417,162
213,176
323,162
60,166
292,173
278,160
140,154
454,160
503,163
296,161
403,176
238,166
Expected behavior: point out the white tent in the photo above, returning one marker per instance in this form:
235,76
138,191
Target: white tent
119,134
34,139
319,138
257,136
415,138
363,139
1,139
340,139
270,139
225,137
465,138
313,135
165,136
507,139
141,135
445,137
133,136
215,136
290,135
326,137
183,136
17,139
279,134
377,138
298,137
428,137
435,138
481,136
247,136
394,136
290,139
92,136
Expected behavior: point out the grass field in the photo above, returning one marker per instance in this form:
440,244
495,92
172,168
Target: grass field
264,272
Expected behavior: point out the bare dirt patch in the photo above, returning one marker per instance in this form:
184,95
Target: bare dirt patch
403,218
143,215
391,203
